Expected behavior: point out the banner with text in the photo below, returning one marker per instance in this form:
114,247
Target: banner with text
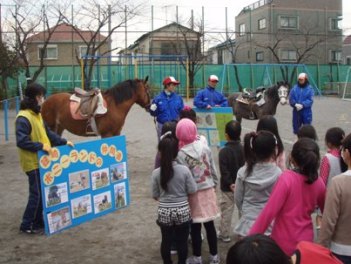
84,182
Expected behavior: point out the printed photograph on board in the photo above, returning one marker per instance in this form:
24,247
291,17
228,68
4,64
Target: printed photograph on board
79,181
120,195
102,202
56,194
118,171
81,206
100,178
59,219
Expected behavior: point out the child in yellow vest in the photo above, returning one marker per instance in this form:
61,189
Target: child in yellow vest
33,135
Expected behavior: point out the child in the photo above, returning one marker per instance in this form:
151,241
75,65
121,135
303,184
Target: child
203,204
171,184
332,163
336,229
231,158
307,131
261,249
269,123
256,179
295,196
33,135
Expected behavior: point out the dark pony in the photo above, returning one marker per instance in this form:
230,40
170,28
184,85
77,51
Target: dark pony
272,96
119,100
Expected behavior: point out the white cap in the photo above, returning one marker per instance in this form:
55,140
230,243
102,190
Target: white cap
213,78
302,75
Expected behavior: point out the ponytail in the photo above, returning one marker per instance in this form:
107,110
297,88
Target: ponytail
168,148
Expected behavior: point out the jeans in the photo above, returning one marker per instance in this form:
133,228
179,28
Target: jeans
211,235
178,234
33,214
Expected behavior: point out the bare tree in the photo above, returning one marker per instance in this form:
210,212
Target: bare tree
27,22
9,67
95,19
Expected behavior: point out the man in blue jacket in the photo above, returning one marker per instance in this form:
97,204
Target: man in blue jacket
209,97
167,105
301,100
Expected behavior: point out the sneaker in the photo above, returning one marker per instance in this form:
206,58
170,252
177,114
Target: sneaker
32,231
214,259
225,239
194,260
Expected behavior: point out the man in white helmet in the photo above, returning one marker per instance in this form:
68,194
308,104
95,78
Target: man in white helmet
301,100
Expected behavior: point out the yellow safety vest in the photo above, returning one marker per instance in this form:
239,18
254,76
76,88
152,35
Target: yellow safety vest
29,159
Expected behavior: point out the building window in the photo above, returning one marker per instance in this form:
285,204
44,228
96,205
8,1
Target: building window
288,22
83,52
50,53
335,55
259,56
334,23
242,30
348,61
262,23
288,55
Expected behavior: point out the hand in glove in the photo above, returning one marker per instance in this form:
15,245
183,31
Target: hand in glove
298,107
153,107
47,148
70,143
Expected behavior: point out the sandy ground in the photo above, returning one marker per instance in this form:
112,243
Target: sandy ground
129,235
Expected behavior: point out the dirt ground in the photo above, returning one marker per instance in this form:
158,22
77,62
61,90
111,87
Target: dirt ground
129,235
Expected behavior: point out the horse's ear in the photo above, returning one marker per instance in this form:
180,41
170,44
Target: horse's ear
146,79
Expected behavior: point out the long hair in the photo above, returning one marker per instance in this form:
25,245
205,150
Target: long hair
346,143
334,137
168,148
256,249
259,147
269,123
305,153
30,93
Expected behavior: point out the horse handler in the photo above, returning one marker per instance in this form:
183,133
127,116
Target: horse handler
301,100
33,135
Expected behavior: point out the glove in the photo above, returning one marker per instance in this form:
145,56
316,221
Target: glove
70,143
298,107
153,107
47,148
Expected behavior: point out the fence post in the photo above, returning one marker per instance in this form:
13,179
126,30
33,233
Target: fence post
5,105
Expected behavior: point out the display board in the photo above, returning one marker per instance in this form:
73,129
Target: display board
211,123
83,182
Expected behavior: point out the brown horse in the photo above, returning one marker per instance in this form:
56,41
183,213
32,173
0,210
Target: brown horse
272,96
119,100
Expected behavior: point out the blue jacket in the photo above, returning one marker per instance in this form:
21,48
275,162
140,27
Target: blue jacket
209,96
168,107
304,96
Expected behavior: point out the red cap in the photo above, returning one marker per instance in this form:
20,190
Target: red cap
213,78
170,79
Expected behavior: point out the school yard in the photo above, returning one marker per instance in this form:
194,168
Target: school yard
129,235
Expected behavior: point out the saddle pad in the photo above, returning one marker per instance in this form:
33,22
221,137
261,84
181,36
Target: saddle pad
73,106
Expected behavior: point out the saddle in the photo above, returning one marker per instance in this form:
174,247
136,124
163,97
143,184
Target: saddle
85,105
90,103
251,97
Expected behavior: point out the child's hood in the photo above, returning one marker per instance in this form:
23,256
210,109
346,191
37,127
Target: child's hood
194,149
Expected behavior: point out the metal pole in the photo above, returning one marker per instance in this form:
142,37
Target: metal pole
6,120
110,47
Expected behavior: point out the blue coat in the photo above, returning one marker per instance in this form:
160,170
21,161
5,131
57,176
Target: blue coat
209,96
304,96
168,107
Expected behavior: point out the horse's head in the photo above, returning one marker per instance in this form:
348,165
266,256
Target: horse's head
283,91
143,93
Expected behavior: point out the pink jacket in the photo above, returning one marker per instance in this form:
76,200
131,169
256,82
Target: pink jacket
290,205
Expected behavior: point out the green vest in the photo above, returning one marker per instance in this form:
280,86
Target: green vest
29,159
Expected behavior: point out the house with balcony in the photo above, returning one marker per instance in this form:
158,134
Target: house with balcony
168,43
285,31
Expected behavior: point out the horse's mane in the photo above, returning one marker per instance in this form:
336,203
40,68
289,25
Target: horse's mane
123,91
272,92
